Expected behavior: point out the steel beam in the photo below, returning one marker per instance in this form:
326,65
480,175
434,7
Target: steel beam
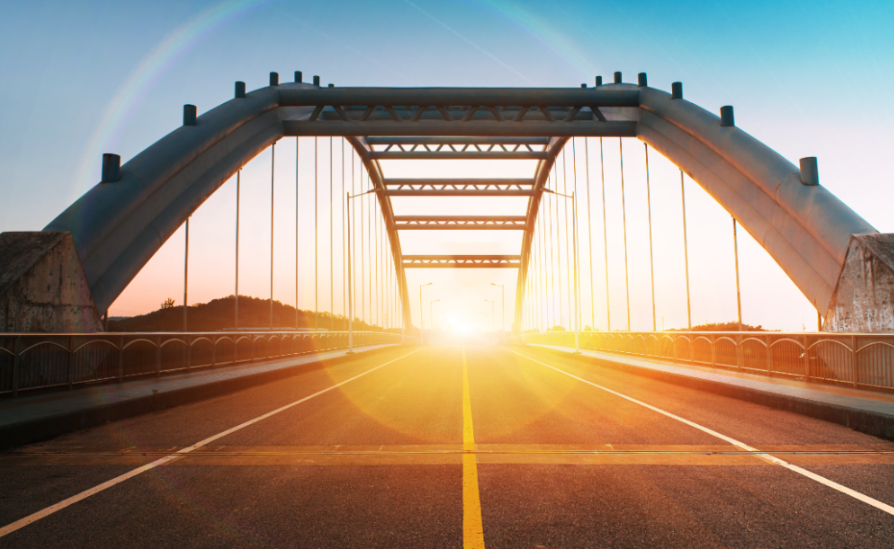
486,128
457,155
459,187
460,261
482,97
454,223
457,140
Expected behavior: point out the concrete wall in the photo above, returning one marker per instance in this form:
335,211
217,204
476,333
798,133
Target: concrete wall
862,301
42,285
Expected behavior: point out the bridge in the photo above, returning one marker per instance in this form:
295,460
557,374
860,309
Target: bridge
342,428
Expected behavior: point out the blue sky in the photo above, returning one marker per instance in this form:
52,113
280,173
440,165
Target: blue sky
80,79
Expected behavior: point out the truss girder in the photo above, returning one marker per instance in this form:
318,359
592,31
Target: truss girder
459,187
461,261
454,223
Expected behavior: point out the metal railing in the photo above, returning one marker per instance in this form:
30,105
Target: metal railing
38,361
858,360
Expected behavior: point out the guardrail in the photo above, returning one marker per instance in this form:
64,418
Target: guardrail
858,360
38,361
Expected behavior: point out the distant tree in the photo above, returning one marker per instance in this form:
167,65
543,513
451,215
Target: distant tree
168,304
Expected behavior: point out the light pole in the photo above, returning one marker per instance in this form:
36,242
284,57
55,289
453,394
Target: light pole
431,315
422,313
503,305
576,266
351,276
491,315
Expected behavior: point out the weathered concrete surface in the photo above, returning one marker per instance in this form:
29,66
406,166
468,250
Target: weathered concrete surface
42,285
862,301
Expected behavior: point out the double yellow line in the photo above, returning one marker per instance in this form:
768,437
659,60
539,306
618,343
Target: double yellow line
473,532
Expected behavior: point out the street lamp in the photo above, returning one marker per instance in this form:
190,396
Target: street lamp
491,315
422,312
576,267
503,305
351,275
431,313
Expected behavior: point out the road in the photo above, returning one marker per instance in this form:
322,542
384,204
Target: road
455,447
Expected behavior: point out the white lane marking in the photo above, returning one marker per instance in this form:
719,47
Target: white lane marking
771,459
21,523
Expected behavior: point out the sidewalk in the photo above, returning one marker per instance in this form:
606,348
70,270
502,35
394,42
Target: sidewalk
42,416
866,411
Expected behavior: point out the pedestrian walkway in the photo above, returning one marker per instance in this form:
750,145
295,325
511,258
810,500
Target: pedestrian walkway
864,410
41,415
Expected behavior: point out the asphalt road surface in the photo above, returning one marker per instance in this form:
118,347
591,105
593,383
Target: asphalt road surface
455,447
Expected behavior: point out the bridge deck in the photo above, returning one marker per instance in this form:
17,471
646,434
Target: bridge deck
369,453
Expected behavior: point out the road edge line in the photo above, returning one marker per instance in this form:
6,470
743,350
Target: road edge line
768,458
34,517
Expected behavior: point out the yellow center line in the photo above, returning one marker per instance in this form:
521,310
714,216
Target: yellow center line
473,532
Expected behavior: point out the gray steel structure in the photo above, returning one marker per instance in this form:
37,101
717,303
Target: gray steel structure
119,224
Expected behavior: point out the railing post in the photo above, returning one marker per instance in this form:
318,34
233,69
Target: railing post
713,341
806,341
251,358
214,353
188,354
856,364
157,356
68,366
16,365
740,353
770,362
121,359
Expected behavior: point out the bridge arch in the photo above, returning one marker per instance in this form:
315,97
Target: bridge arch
118,226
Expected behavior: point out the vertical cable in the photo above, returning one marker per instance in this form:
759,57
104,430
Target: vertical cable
376,250
297,216
369,246
567,233
574,236
686,251
608,314
344,250
352,235
236,301
185,274
558,276
590,233
272,179
543,281
552,264
624,221
738,293
651,260
360,248
316,233
331,240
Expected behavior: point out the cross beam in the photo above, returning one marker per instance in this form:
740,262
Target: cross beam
470,222
459,187
461,261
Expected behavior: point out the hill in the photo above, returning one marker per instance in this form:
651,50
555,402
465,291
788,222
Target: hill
218,315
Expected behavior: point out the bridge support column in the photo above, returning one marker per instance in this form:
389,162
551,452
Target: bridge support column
42,285
863,300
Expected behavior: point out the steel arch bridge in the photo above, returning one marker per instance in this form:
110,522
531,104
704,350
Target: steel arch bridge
119,224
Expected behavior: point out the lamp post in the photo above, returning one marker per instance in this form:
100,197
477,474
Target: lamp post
422,313
491,315
351,276
576,266
431,316
503,306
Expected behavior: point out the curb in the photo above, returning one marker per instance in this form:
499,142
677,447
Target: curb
29,432
872,423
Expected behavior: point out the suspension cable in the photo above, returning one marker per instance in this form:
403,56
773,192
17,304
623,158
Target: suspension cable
624,221
590,233
685,251
651,258
608,314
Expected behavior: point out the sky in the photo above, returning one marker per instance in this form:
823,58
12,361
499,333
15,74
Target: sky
807,79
